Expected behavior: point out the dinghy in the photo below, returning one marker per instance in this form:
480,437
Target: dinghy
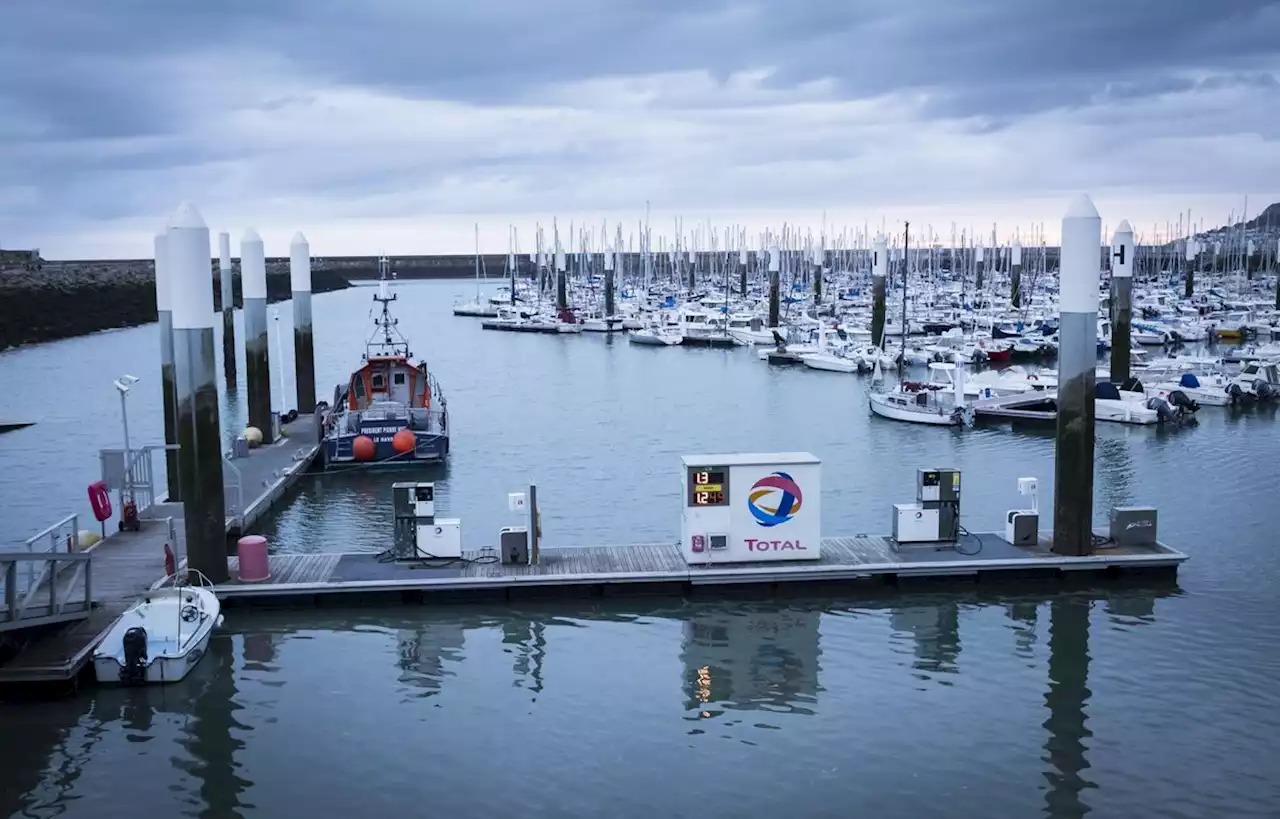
161,637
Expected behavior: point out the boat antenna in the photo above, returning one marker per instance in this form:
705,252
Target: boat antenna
392,343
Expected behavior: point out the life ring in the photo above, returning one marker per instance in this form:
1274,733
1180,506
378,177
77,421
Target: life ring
100,500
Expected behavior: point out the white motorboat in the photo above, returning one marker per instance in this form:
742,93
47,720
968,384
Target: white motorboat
1110,405
599,323
161,637
656,334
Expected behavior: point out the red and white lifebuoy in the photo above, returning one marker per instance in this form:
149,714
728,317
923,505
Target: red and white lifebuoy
100,500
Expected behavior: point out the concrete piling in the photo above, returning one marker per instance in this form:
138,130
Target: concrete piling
775,297
1189,288
164,311
1077,362
199,425
257,359
1015,274
304,352
690,263
1121,301
879,265
742,272
228,311
562,281
978,267
609,304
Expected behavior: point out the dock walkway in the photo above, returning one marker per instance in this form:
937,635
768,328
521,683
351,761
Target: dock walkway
647,567
126,564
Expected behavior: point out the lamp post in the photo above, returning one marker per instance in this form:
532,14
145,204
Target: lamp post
123,384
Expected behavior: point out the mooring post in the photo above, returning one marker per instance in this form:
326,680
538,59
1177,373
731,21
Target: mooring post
609,304
304,351
978,253
879,265
692,265
819,259
257,359
1015,274
562,281
164,312
1189,288
199,425
742,272
535,526
1121,301
228,310
1077,362
775,297
1277,269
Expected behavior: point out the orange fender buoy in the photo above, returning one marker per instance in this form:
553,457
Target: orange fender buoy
404,441
363,448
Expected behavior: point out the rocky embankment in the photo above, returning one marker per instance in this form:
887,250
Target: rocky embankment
44,301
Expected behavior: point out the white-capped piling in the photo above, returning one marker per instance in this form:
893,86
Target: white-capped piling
199,425
164,312
304,351
1121,301
1077,362
1015,274
817,258
228,310
609,303
691,263
1189,288
562,281
257,359
742,272
879,266
775,296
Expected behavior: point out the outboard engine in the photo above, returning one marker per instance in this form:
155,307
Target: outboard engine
1237,392
1183,401
1265,391
134,670
1164,410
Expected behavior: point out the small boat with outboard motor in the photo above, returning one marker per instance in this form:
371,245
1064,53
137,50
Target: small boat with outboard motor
390,411
162,636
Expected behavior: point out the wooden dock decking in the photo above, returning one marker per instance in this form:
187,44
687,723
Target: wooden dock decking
126,564
599,569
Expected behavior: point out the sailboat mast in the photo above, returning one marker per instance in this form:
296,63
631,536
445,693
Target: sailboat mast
902,353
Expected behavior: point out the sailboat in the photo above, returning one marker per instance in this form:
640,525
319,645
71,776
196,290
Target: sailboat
479,307
390,411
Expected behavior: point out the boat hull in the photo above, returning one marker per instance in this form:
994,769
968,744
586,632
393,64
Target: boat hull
174,642
429,448
913,416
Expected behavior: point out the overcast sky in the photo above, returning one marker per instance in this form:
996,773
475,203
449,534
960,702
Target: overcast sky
393,125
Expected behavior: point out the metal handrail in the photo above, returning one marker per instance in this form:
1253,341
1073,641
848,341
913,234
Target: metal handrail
54,533
236,483
16,603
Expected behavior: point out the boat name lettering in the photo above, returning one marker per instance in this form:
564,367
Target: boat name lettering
754,545
380,430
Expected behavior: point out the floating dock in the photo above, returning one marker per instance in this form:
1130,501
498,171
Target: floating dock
126,564
660,568
1033,406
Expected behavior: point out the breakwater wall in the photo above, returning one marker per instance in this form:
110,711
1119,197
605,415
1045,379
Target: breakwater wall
47,300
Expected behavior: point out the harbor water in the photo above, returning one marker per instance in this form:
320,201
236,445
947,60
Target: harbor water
1136,700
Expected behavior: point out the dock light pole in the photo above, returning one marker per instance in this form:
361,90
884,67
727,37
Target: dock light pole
123,384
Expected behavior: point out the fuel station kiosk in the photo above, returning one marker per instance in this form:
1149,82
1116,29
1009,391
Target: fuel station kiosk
751,508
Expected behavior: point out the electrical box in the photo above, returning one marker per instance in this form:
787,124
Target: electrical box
414,500
913,523
750,508
515,501
513,545
439,539
1022,527
1133,525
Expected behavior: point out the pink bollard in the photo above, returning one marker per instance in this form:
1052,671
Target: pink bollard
254,563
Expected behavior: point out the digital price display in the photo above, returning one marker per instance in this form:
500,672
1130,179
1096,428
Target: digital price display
708,486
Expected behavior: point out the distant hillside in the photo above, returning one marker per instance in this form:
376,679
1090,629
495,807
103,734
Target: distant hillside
1270,217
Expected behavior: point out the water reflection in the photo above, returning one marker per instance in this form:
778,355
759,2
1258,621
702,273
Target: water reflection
425,651
935,631
216,735
527,640
759,659
1066,698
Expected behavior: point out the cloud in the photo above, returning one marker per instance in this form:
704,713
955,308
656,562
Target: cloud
410,120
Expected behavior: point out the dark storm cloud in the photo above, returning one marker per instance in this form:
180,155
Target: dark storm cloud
94,68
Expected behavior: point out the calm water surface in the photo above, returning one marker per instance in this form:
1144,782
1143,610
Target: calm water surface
1133,701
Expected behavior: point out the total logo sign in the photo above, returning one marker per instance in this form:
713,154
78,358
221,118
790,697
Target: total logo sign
774,500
